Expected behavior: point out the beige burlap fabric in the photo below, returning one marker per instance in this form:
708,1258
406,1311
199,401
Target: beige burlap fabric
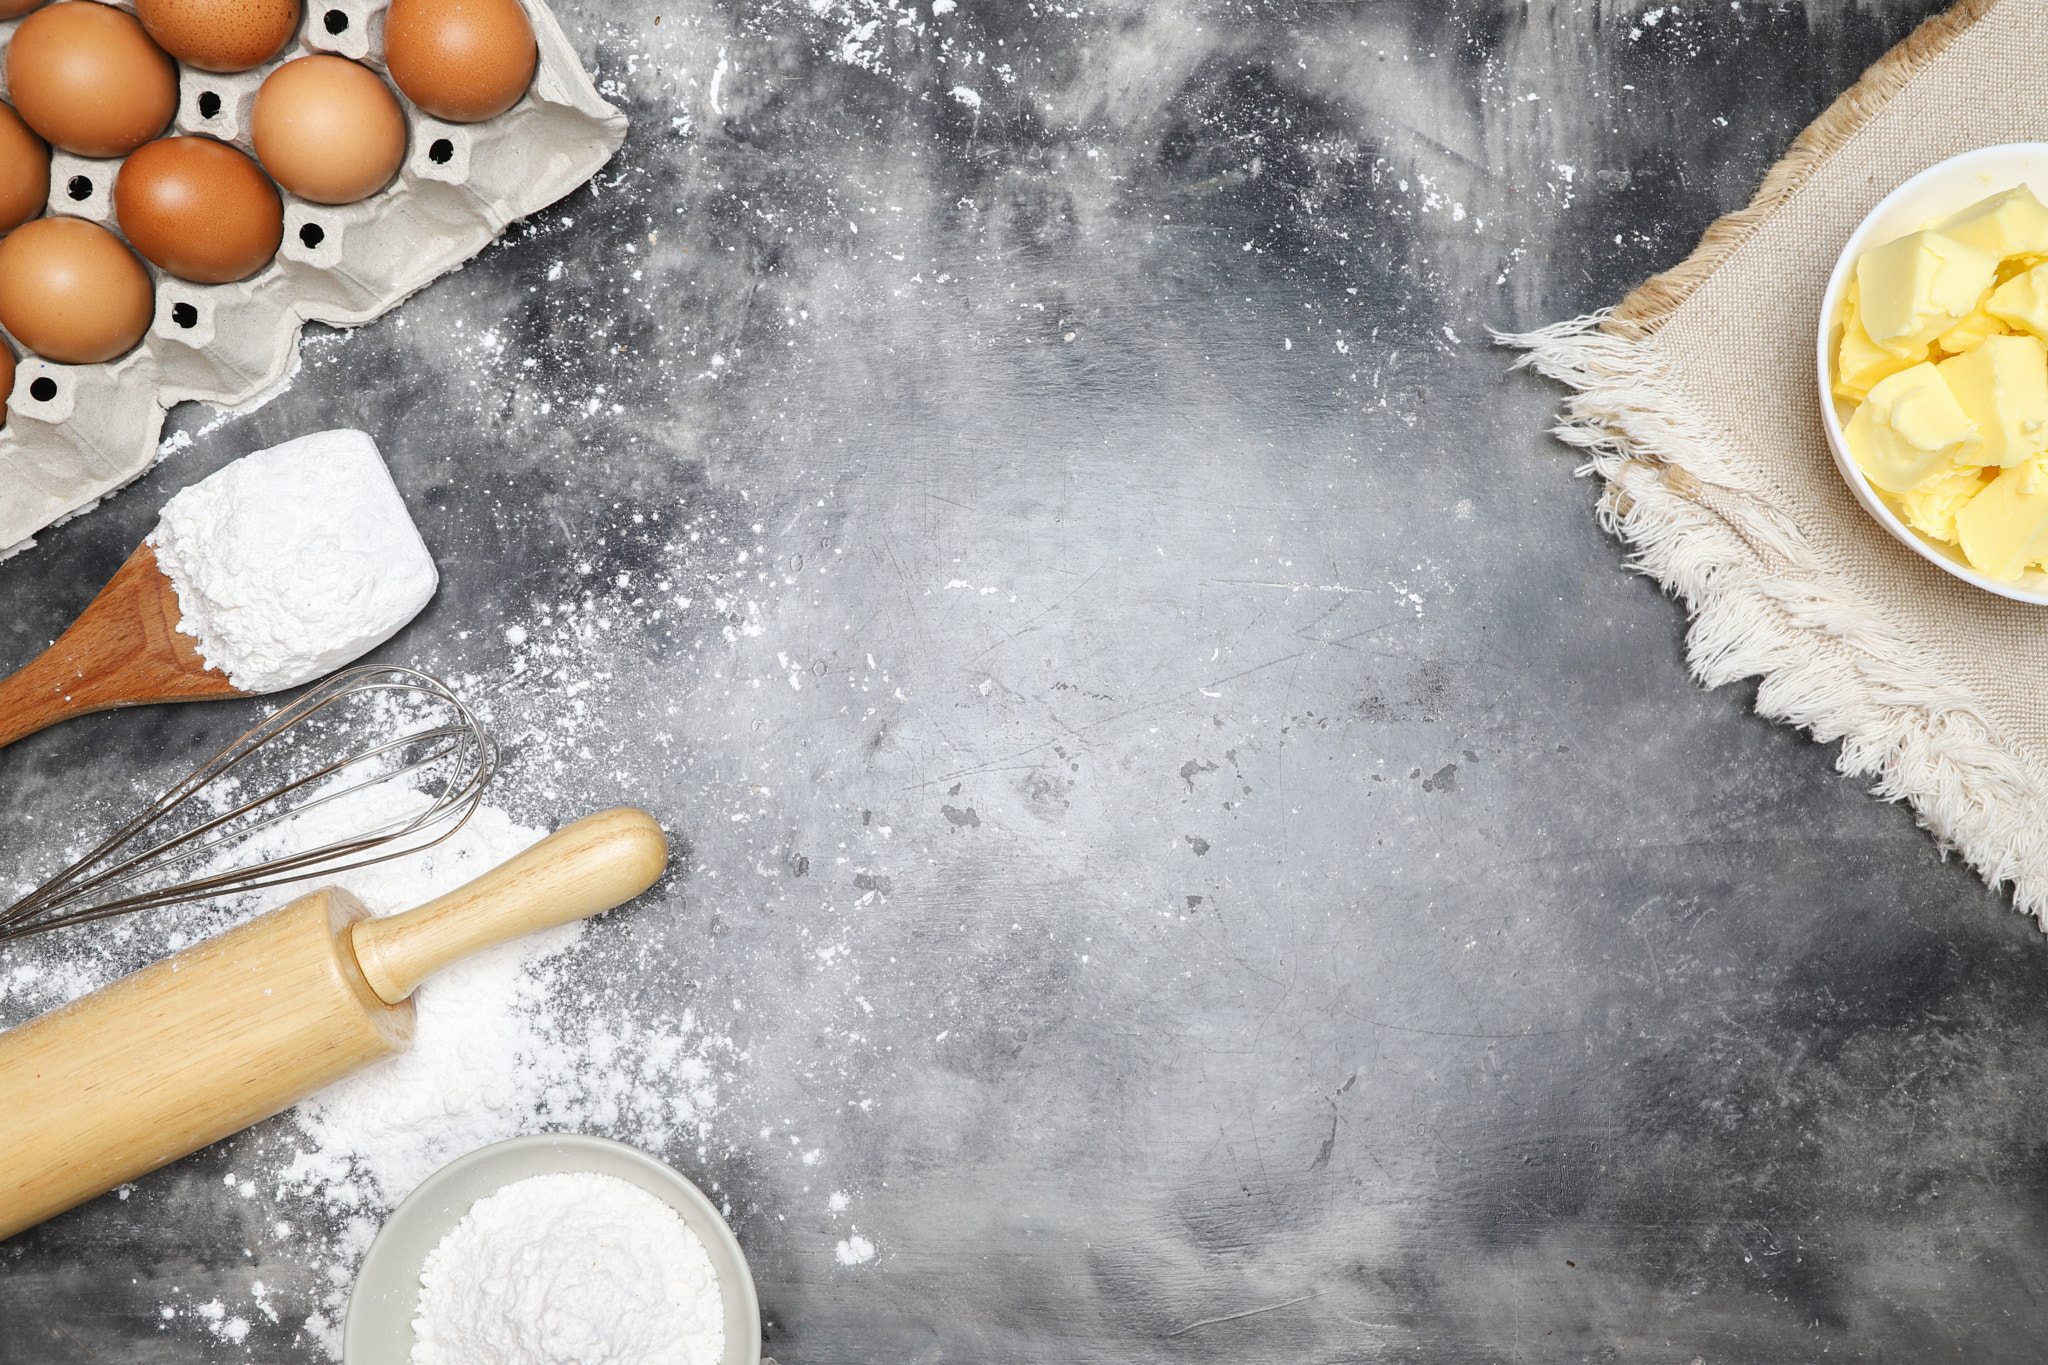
1697,402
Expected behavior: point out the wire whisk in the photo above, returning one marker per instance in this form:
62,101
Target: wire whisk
201,840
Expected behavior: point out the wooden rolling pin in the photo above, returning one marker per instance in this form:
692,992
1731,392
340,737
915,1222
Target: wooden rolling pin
243,1026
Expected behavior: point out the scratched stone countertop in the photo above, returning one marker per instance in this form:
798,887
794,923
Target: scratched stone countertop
1288,901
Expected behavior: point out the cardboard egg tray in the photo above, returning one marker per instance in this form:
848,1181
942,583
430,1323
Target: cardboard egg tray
75,433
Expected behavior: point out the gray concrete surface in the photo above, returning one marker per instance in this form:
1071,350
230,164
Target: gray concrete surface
1318,920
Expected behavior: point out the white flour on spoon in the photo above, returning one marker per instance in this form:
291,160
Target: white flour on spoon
293,561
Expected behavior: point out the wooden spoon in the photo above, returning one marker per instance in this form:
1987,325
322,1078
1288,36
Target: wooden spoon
124,650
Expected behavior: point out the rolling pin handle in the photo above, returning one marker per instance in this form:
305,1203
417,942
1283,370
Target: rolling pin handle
582,869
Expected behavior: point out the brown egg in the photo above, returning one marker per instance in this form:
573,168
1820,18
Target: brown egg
14,9
328,129
199,209
460,60
24,171
6,380
220,35
89,79
70,292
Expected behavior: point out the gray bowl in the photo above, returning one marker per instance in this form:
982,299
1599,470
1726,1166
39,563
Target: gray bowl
378,1329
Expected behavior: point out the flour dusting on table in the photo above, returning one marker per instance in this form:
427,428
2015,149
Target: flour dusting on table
494,1055
496,1052
555,1034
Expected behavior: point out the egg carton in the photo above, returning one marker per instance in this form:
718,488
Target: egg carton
75,433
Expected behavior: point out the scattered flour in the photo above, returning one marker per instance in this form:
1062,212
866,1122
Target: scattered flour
293,561
558,1033
495,1054
572,1269
393,1124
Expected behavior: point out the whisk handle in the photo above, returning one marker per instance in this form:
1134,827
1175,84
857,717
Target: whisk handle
582,869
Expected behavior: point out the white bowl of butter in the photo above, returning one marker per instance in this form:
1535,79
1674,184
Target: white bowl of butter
1940,427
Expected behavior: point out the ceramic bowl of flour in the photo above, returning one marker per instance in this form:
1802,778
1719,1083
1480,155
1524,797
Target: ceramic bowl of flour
386,1298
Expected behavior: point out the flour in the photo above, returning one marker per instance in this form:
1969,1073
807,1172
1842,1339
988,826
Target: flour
571,1269
398,1121
494,1054
293,561
567,1032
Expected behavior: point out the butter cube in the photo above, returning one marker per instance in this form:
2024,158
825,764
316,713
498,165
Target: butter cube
1861,362
2005,528
1968,334
2008,223
1914,289
1911,430
1931,508
2018,265
2002,386
2022,302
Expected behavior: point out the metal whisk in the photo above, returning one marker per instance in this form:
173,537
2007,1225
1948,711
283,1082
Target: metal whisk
200,840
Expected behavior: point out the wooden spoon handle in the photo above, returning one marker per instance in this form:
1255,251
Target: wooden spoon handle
580,870
38,696
125,649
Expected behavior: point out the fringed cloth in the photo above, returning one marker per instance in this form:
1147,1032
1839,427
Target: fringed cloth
1696,401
